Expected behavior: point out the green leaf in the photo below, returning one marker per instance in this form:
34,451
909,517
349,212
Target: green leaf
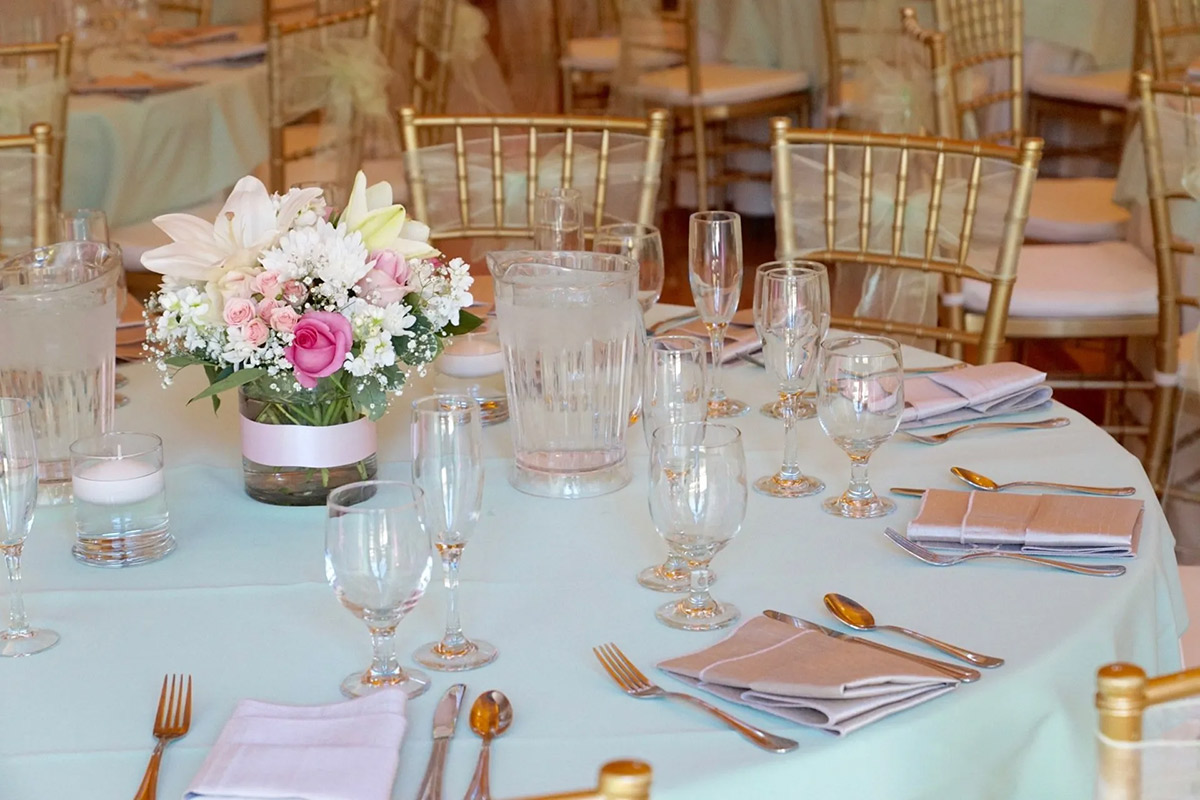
369,397
214,375
467,322
184,360
232,381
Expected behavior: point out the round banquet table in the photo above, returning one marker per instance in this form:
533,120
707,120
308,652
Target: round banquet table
243,606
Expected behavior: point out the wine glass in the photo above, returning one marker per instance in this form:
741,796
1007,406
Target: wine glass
791,309
804,409
715,272
674,392
642,243
92,25
18,496
860,398
558,219
378,559
140,19
698,502
447,444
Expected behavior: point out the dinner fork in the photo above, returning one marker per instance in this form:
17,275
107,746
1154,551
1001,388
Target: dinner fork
172,721
940,560
636,684
938,438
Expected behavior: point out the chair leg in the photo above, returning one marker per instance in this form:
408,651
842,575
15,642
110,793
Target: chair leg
1158,442
700,146
568,91
720,157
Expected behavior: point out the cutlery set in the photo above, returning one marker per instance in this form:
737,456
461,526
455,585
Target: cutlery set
491,715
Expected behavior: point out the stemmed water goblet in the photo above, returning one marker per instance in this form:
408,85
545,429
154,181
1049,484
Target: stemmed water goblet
18,496
558,219
642,243
715,273
791,313
860,398
698,502
673,392
447,443
378,559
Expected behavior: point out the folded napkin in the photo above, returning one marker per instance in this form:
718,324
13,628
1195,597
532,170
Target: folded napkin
184,37
974,393
137,83
740,336
343,751
1045,524
807,677
216,53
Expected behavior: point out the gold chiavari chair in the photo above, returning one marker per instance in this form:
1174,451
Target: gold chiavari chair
284,115
587,62
39,144
928,47
496,164
45,68
200,11
704,97
288,12
619,780
929,222
432,56
1173,30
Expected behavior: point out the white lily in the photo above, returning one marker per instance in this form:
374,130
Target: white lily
248,224
383,224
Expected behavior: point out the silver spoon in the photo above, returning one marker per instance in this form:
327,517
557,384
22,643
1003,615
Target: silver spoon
491,714
859,618
938,438
984,483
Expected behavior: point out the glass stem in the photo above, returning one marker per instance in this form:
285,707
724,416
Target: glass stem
17,624
699,600
860,487
790,471
716,338
384,666
453,641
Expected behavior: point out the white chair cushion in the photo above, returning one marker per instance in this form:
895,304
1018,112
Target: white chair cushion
603,54
1099,88
720,84
142,236
1103,279
1075,210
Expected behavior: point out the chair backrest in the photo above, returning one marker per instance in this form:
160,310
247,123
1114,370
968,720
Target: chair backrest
927,48
31,187
43,68
946,208
1173,29
986,38
652,37
432,55
619,780
597,18
288,12
200,11
491,168
294,97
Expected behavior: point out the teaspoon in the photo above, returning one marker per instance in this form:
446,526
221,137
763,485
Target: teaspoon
491,714
986,484
859,618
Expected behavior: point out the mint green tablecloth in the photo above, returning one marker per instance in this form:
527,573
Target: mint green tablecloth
243,606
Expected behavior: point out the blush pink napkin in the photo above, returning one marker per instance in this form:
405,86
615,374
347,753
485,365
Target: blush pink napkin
740,336
1048,524
972,393
808,677
342,751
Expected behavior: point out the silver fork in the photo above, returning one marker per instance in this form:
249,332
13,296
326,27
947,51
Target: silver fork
172,721
938,438
636,684
940,560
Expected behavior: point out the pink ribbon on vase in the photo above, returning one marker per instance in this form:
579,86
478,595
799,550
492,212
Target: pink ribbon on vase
317,446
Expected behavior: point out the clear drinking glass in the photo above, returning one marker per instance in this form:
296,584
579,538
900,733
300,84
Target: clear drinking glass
447,445
642,243
804,409
93,24
558,219
18,496
83,225
715,272
698,501
673,392
378,559
791,309
860,398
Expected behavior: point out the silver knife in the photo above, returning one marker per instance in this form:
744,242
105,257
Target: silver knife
445,717
964,674
907,492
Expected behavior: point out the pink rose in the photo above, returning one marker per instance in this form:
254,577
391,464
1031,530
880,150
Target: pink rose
266,284
294,292
255,332
266,308
387,281
238,311
319,346
284,319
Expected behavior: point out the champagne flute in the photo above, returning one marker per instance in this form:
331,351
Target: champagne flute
642,243
378,560
860,398
715,273
698,502
558,219
447,443
804,409
791,310
674,392
18,496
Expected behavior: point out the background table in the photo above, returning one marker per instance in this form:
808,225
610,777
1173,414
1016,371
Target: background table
243,606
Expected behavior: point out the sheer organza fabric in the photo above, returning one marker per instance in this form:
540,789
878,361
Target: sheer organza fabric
1169,756
17,170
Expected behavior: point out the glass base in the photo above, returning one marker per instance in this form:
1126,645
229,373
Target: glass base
26,644
477,653
411,681
569,475
301,486
661,578
677,614
853,508
775,486
123,551
726,408
804,410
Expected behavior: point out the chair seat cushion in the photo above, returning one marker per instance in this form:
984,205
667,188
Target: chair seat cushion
1103,279
142,236
1075,210
603,54
1109,89
720,84
1188,367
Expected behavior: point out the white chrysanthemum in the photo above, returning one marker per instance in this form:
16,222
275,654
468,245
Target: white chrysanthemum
337,259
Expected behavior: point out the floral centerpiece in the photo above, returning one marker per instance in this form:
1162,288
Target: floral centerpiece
315,315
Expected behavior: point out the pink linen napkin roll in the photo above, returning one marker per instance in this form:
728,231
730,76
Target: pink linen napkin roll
342,751
1047,524
808,677
740,336
972,393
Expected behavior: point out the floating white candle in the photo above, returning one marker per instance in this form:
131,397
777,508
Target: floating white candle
117,482
472,357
